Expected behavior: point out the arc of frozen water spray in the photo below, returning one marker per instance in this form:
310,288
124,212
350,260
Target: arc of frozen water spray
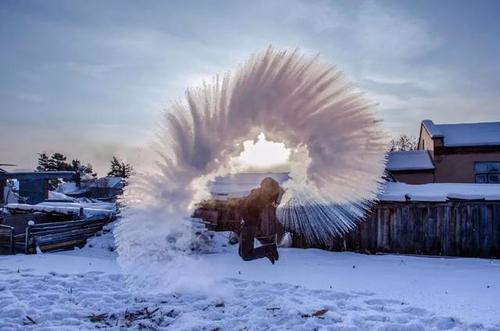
317,219
337,151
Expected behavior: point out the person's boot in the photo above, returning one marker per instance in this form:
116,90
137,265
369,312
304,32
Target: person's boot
270,257
274,250
272,253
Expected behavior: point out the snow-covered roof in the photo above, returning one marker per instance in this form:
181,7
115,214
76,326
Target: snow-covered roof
238,185
409,160
53,195
432,129
465,134
116,182
438,192
71,188
67,208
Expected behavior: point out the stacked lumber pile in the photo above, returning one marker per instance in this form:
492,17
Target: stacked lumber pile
60,235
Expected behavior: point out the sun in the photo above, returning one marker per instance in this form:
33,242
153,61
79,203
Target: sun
262,155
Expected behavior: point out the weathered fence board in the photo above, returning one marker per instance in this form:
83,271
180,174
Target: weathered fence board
454,228
6,239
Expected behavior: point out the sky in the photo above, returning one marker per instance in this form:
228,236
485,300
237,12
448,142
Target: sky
91,79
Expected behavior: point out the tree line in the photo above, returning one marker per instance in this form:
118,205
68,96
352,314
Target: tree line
119,168
59,162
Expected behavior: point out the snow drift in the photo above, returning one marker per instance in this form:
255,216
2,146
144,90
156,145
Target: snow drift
336,162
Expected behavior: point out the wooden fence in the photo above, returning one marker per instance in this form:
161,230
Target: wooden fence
453,228
6,239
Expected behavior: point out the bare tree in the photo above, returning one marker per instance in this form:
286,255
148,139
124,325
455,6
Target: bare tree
403,143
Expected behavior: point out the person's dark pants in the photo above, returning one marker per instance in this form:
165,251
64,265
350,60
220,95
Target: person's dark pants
247,250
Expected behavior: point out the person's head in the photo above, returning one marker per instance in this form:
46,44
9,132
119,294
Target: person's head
270,189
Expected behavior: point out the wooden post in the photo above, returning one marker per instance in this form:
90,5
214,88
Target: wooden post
12,250
27,238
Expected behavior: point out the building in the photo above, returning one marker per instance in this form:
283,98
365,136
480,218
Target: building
33,185
450,153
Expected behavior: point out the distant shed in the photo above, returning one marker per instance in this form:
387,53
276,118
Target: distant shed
105,188
33,185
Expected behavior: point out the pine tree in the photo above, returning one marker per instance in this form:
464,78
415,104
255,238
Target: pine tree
120,168
83,169
58,162
43,162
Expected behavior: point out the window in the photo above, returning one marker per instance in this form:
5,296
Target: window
481,178
493,178
487,172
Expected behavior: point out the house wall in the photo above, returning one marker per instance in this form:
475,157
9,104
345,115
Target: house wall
426,142
413,177
459,167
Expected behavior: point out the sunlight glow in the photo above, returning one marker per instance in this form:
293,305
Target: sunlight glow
262,155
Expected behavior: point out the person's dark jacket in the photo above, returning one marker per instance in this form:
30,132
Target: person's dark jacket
252,206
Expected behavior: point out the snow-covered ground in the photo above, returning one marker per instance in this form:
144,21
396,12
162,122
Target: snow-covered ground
305,290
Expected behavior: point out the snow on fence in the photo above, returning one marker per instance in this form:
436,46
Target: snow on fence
6,239
451,228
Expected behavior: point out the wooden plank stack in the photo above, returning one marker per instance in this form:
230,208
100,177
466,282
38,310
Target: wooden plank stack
60,235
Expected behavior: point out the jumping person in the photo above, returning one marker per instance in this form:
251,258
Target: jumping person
258,210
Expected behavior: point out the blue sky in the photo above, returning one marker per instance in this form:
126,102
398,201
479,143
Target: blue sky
91,78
